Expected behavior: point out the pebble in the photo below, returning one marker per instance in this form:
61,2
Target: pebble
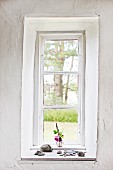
81,154
46,148
39,153
59,152
61,155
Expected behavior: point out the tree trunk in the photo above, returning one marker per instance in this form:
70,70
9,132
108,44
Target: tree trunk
58,85
67,84
58,89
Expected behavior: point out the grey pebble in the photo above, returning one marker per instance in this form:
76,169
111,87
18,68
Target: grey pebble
37,152
81,154
46,148
41,154
61,155
59,152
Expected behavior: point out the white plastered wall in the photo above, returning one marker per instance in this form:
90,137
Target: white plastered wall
11,37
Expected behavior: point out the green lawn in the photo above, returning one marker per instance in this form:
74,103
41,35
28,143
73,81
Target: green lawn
61,115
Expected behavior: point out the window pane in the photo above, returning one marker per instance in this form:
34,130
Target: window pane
61,89
61,55
67,120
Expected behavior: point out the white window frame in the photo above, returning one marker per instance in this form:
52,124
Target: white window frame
32,25
38,72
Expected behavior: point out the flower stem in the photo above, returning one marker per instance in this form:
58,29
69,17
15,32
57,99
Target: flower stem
57,127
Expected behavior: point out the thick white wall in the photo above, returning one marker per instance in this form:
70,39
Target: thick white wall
11,37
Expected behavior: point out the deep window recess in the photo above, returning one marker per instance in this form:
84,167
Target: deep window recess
60,88
60,84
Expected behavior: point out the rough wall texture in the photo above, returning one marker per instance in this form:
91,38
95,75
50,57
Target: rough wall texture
12,14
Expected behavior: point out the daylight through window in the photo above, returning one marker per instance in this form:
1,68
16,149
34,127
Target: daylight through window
60,88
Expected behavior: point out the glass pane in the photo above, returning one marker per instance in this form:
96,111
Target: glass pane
67,120
61,55
61,89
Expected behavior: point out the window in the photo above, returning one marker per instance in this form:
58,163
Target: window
60,74
59,87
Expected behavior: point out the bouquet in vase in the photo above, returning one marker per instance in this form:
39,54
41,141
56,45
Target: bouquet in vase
58,136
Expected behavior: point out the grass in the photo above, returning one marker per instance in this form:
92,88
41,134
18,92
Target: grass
61,115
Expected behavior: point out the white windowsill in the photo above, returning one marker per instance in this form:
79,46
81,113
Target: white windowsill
53,156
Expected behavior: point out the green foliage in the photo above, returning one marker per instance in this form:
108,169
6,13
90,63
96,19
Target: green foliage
56,52
64,115
60,134
73,87
53,99
55,131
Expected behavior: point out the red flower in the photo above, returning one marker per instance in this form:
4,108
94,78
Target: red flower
56,138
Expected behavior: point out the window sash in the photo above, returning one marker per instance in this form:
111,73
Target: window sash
41,73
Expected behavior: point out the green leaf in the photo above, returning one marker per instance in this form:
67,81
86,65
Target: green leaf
55,131
61,135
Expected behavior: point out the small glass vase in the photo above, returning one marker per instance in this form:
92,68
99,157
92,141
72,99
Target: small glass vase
59,143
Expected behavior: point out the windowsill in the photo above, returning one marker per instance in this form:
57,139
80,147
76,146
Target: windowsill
53,156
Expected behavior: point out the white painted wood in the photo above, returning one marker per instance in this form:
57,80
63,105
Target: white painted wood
27,107
61,35
60,107
81,115
91,88
60,72
36,95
